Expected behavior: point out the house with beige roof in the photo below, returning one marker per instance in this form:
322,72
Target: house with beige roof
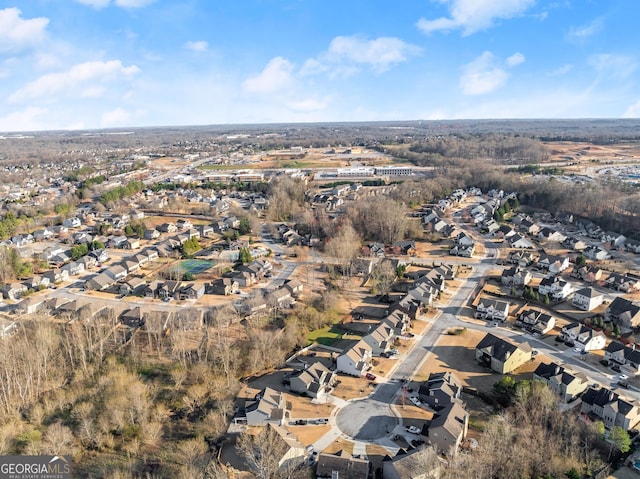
268,407
448,428
355,360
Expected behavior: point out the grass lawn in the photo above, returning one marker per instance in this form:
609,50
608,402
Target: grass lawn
326,335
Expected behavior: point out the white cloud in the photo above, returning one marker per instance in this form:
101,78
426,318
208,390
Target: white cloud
483,75
83,78
119,3
563,70
472,16
276,76
197,46
346,54
17,33
27,120
515,59
581,33
308,104
633,111
618,66
117,117
95,3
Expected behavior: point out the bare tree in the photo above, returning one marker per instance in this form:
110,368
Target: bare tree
344,247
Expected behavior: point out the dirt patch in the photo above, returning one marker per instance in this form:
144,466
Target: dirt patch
338,445
309,434
302,407
457,354
350,387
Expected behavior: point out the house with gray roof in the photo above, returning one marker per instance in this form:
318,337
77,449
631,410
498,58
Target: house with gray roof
501,355
607,406
566,384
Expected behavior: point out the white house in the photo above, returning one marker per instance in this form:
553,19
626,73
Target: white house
492,309
355,360
587,299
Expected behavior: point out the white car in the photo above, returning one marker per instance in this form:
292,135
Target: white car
415,401
414,430
623,377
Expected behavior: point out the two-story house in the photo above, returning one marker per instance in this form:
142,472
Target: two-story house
607,406
355,360
566,384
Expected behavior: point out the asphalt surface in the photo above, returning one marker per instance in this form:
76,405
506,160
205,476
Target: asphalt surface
367,419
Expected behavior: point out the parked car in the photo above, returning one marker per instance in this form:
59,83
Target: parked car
370,377
384,354
493,324
623,377
413,430
415,401
616,368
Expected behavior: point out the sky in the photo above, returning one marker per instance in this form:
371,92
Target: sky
88,64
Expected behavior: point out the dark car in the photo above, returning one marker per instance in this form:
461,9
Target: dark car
616,369
370,377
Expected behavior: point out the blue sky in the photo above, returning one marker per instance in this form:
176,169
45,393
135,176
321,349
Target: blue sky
76,64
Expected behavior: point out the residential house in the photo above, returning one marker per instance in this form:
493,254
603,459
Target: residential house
448,428
440,389
536,321
631,245
342,465
167,289
56,275
294,286
566,384
463,239
36,281
463,251
72,222
583,337
313,381
516,276
22,240
519,241
587,299
413,464
575,243
607,406
624,355
492,309
191,291
554,287
355,360
551,236
404,247
134,318
99,282
623,312
501,355
74,268
380,339
167,228
596,253
621,354
205,230
224,286
151,234
521,258
625,283
554,264
133,286
131,243
616,240
399,321
13,291
268,407
116,272
43,234
100,255
589,273
32,304
529,227
183,224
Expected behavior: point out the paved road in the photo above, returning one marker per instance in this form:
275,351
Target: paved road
367,419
